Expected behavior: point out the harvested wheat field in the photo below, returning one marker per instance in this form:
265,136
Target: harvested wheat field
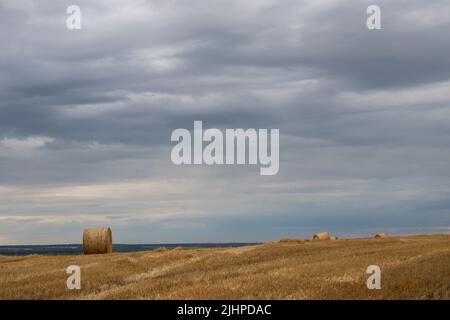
416,267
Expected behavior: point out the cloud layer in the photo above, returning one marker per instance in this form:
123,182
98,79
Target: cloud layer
86,117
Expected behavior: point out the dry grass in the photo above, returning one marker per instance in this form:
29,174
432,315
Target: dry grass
412,268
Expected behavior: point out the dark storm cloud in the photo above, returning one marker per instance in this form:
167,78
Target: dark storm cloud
197,49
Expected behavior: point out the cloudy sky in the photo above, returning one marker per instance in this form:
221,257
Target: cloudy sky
86,117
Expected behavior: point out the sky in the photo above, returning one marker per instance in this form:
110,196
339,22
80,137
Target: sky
86,118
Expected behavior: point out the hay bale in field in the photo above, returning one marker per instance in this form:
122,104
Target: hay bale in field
381,235
333,238
97,240
321,236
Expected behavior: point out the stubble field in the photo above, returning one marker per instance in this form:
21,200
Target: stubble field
415,267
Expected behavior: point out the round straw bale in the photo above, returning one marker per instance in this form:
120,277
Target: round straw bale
97,240
381,235
321,236
333,238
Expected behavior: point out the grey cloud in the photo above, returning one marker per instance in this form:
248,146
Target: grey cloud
110,94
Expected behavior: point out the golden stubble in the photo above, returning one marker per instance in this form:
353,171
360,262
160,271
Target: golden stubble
416,267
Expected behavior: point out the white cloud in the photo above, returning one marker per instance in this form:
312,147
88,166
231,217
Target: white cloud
423,95
24,144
